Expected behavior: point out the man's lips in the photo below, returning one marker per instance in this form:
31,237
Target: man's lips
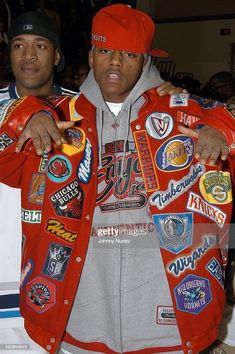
114,75
29,68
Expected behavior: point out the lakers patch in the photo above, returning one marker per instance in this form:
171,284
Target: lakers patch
215,187
146,161
73,141
175,154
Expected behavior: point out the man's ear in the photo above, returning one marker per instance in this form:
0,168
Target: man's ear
57,57
90,58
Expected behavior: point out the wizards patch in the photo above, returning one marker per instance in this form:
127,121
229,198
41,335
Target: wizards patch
37,189
5,141
73,141
59,169
175,154
215,187
159,125
56,261
40,294
174,231
193,294
68,201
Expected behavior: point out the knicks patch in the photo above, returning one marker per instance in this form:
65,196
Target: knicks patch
68,201
73,141
5,141
146,161
175,154
174,231
200,206
59,169
37,189
166,315
215,269
159,125
56,261
57,228
186,118
40,294
193,294
216,188
179,99
84,168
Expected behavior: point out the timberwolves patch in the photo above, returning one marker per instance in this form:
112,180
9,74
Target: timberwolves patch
40,294
159,125
59,168
215,269
193,294
175,154
73,141
37,188
68,201
5,141
174,231
179,99
216,188
56,261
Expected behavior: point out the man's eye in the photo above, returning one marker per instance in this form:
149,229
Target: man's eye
129,55
105,51
18,45
41,46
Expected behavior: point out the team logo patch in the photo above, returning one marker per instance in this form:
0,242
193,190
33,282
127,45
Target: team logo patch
37,189
231,110
193,294
146,161
215,269
57,228
31,216
5,141
59,168
175,154
159,125
43,162
26,271
40,294
84,168
179,99
7,107
166,315
216,188
181,264
206,102
174,231
186,118
68,201
56,261
73,141
200,206
176,188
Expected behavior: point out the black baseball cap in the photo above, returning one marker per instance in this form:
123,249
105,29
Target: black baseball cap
37,22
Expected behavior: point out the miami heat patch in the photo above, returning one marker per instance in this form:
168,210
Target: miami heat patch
68,201
159,125
73,141
215,187
40,294
175,154
59,169
57,228
146,161
37,189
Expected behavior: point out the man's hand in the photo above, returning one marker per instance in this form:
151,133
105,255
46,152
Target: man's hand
211,144
167,87
43,130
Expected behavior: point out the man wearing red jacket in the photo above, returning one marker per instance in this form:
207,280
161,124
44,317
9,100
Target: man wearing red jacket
122,225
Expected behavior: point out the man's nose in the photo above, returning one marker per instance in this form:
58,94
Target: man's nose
116,58
30,52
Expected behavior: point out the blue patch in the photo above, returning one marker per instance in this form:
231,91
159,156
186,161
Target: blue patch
215,269
56,261
84,168
206,102
175,154
59,168
193,294
26,271
174,231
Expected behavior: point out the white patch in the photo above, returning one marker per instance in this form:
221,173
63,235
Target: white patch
180,99
159,125
31,216
166,315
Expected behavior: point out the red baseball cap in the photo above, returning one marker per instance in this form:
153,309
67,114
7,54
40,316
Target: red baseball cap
120,27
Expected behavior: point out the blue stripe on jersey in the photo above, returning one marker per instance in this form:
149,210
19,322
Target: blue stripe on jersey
9,301
10,314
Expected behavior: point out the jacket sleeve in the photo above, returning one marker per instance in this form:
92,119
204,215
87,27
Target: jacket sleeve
14,115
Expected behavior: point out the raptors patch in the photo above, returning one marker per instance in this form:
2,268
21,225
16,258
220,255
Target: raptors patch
159,125
68,201
40,294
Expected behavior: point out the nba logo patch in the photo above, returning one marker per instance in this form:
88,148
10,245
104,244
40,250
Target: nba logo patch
159,125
